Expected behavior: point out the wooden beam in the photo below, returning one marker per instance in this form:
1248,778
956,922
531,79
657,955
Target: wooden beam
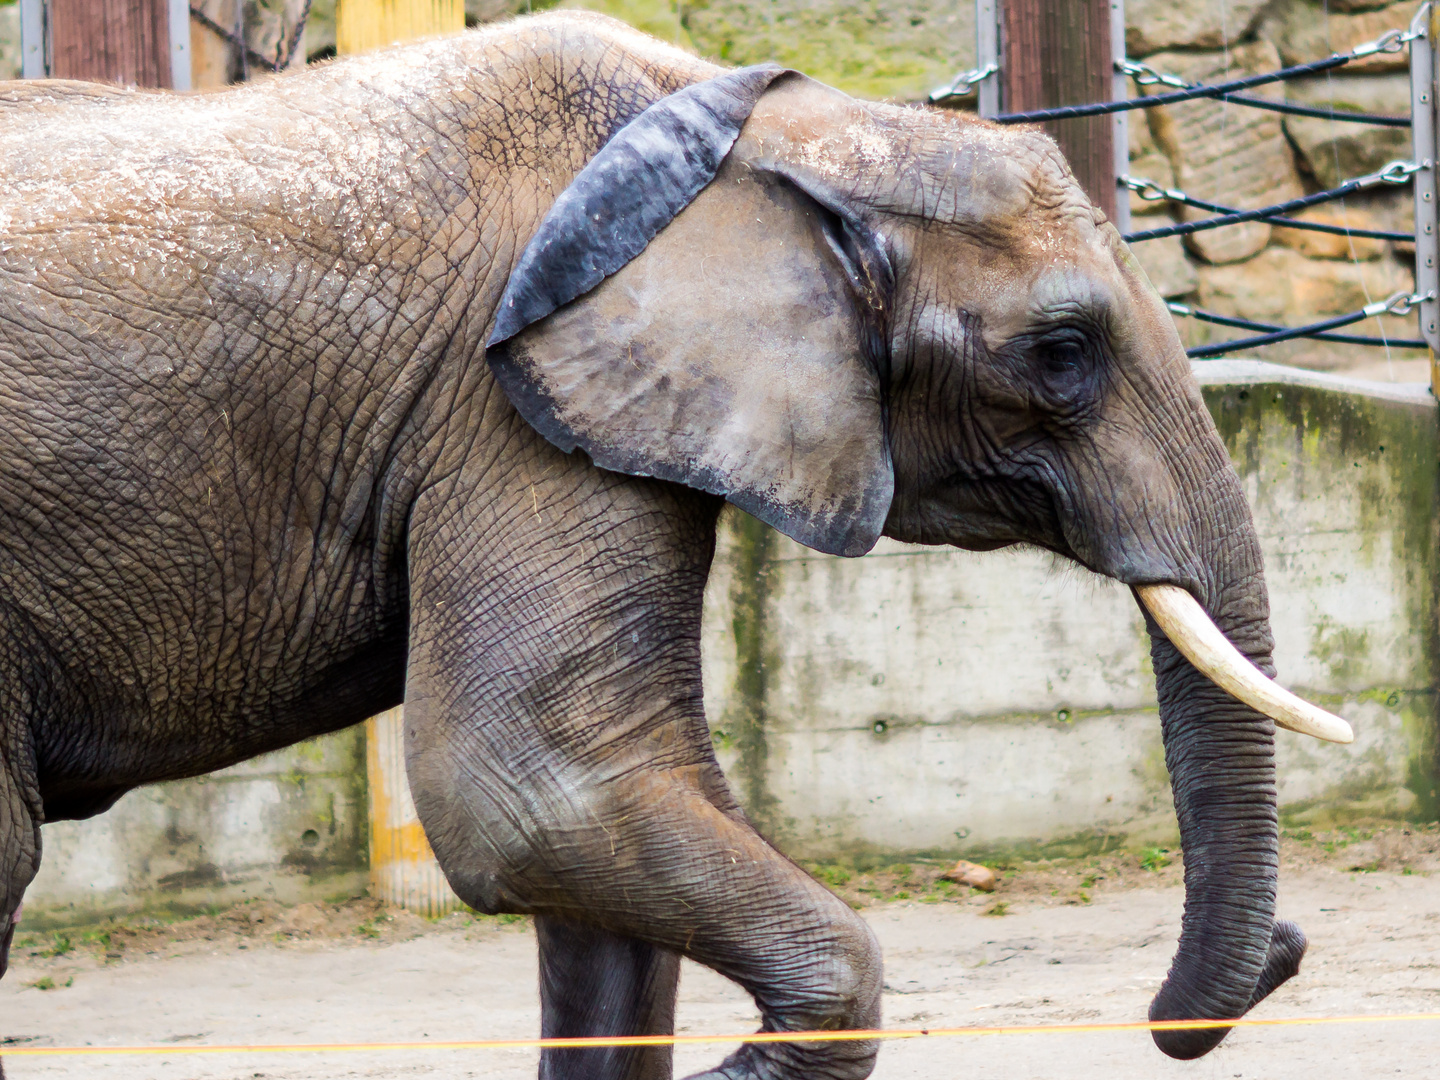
119,41
1058,52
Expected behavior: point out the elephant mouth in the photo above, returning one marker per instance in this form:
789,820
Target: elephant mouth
1201,642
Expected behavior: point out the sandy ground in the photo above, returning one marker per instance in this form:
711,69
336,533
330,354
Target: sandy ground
1060,943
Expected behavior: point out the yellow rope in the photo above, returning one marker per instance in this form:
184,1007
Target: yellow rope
690,1040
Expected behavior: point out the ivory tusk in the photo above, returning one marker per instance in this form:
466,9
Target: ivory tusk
1192,632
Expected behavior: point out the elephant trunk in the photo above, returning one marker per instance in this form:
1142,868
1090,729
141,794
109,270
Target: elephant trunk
1221,757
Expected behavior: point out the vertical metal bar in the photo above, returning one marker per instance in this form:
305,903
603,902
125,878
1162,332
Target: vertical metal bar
32,39
179,12
1121,90
987,51
1422,133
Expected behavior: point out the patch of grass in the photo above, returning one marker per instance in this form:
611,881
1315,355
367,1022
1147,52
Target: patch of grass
60,944
1342,838
997,909
831,874
1154,858
45,983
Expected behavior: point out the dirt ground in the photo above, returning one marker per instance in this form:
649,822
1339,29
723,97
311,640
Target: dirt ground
1060,942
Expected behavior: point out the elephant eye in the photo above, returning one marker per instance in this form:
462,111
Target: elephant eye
1062,357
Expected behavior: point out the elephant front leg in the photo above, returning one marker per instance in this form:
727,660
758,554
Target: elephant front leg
561,765
593,982
647,855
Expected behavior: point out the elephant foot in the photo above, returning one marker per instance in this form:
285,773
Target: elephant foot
788,1061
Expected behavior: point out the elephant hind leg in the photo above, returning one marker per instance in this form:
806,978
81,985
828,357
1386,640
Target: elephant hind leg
593,982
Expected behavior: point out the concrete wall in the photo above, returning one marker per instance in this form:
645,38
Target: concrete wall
288,826
927,700
924,700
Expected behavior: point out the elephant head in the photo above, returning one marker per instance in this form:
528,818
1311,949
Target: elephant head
851,319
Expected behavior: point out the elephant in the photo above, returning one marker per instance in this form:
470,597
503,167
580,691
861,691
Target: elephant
424,375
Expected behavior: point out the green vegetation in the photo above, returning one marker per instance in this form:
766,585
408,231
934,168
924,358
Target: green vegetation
1154,858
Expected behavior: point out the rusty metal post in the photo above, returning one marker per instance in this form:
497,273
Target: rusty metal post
1058,52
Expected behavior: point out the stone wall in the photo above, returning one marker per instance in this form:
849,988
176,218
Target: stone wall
1219,152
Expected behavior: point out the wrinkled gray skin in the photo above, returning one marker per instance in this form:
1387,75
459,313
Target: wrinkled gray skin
260,482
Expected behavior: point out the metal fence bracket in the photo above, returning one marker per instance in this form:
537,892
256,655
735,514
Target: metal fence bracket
1422,129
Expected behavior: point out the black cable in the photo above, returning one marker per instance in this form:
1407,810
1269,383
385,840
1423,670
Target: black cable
1220,348
1188,227
249,55
1202,315
1377,119
1103,108
1292,223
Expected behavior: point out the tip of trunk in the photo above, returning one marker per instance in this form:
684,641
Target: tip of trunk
1282,962
1189,1044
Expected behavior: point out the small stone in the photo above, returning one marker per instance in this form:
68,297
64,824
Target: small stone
972,874
1147,162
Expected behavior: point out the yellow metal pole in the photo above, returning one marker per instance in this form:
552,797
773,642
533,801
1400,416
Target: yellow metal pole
362,25
403,869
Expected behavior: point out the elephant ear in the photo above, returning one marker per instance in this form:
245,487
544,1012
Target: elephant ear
700,316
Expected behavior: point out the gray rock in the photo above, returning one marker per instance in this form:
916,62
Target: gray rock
1333,150
1147,162
1226,153
1153,25
1164,260
1302,31
1284,287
